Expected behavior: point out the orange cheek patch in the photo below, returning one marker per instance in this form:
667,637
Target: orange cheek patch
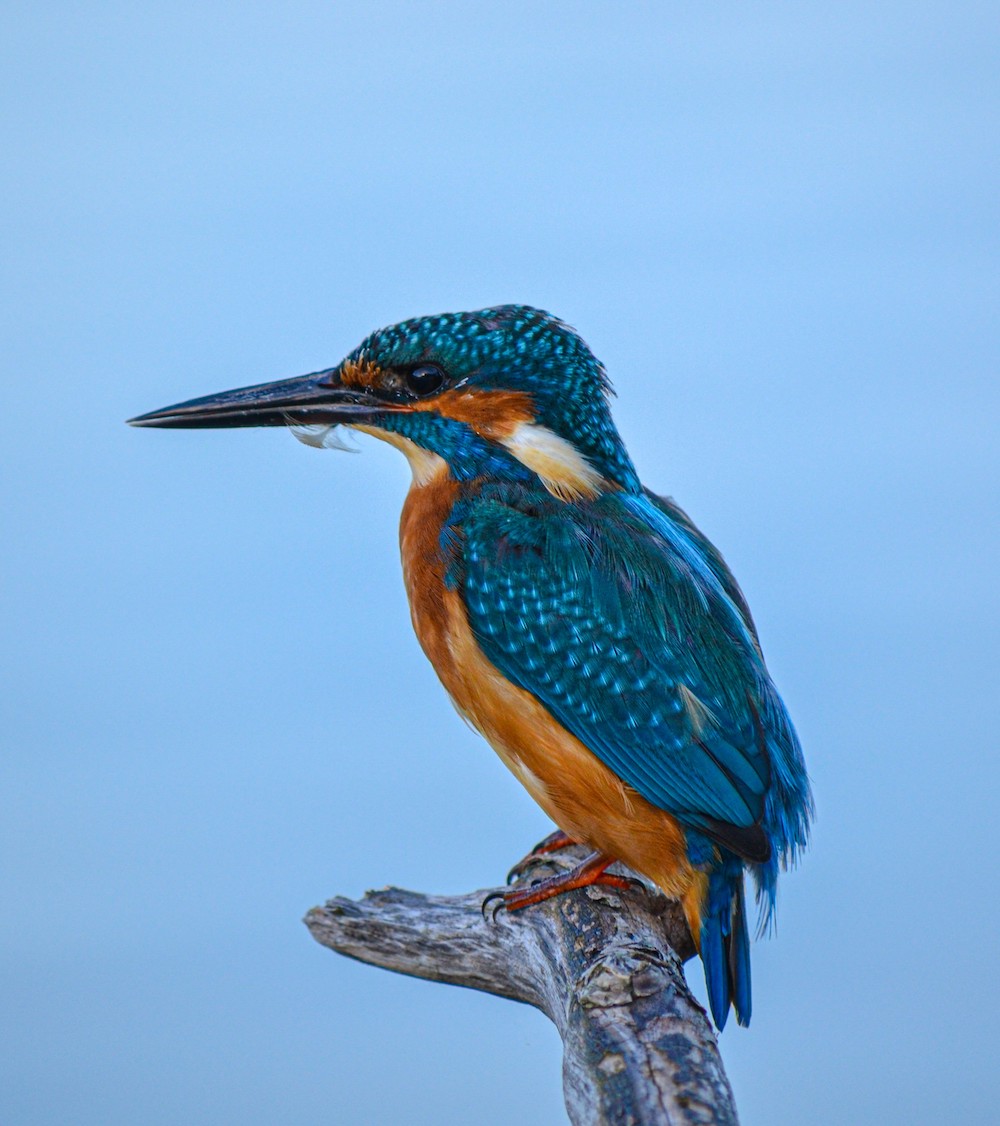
492,414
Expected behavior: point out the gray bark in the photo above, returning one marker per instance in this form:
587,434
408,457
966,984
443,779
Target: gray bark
604,965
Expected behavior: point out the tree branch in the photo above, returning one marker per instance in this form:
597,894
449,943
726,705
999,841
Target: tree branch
604,965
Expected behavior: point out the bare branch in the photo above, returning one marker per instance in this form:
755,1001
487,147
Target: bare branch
604,965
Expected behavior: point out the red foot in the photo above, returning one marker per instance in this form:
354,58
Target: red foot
552,843
591,871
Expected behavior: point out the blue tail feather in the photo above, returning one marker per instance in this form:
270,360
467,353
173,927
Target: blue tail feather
725,947
739,957
713,957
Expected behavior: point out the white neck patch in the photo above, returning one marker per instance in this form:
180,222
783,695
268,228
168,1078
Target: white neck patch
563,470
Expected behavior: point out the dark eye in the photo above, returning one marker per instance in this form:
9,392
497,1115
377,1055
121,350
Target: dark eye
425,379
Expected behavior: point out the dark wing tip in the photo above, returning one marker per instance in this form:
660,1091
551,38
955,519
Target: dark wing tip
751,843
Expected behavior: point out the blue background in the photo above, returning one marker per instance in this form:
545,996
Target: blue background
777,224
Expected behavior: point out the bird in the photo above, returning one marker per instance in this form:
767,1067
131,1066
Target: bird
578,620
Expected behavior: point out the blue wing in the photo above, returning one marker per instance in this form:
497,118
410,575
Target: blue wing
711,554
614,616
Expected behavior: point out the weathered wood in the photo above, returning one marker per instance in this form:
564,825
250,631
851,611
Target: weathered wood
605,965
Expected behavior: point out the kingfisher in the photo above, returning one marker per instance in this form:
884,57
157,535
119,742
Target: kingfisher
579,621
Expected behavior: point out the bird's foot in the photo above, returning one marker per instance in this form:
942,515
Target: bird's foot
552,843
591,871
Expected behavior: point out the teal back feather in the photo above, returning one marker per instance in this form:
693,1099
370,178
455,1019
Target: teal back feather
614,613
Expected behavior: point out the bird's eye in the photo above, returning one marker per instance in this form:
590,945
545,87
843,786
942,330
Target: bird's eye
425,379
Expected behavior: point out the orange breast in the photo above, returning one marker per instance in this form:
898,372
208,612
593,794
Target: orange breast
582,796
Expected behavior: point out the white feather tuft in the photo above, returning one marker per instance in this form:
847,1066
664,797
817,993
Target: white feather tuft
323,437
563,470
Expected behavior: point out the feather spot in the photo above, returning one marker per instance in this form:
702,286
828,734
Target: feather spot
697,712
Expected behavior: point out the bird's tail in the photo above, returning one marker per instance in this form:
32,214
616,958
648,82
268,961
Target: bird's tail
725,946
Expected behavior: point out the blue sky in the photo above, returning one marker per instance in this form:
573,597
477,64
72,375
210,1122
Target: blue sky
777,224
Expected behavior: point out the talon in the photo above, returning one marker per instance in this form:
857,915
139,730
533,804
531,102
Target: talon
493,895
552,843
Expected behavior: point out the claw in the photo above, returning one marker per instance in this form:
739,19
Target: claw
552,843
521,867
496,910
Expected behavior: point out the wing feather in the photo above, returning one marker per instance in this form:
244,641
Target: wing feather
611,616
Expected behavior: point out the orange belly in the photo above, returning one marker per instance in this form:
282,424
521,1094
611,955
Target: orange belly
579,793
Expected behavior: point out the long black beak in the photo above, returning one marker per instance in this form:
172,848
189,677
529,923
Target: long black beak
316,398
